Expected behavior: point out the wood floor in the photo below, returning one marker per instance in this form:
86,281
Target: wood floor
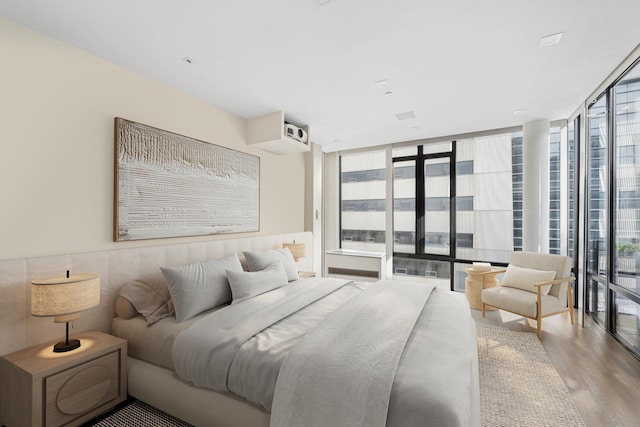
602,376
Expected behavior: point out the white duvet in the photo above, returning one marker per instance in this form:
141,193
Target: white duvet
398,361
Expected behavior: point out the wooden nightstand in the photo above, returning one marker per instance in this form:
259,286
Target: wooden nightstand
306,274
43,388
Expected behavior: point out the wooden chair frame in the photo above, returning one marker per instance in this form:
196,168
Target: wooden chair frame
539,315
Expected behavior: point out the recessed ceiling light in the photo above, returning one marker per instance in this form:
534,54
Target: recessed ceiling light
187,60
389,93
406,115
551,39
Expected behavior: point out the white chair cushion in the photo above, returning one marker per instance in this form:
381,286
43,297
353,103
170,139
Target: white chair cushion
525,278
520,302
559,263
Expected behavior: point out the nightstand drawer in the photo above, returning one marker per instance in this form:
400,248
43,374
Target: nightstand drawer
81,389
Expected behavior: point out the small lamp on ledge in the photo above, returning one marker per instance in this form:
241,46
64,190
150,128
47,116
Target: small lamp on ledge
298,249
63,298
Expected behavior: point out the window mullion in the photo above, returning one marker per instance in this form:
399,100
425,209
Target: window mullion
420,203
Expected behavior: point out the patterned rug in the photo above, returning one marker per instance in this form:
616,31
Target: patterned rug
518,388
518,384
138,414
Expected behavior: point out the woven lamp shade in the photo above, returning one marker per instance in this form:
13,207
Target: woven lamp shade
298,250
64,297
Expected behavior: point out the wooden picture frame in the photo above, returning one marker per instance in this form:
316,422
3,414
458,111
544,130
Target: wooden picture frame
170,185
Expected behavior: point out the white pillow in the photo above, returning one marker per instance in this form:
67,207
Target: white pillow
257,261
195,288
247,284
525,278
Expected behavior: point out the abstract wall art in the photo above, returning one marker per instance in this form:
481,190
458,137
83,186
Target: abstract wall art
169,185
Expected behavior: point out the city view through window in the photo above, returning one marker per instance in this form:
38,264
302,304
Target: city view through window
456,202
487,181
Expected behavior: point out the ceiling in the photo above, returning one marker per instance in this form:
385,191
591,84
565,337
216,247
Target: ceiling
458,65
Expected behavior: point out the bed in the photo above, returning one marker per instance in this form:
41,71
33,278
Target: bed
287,351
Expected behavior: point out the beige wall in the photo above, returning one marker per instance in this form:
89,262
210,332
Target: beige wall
57,105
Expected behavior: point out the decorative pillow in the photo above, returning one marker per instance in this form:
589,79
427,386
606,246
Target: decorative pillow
124,308
148,296
257,261
525,278
197,287
247,284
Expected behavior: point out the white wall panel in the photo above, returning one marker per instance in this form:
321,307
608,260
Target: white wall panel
116,268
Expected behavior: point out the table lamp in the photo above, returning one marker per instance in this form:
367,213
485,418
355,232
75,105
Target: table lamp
298,249
63,298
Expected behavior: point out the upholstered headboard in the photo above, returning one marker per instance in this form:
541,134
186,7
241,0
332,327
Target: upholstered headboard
116,268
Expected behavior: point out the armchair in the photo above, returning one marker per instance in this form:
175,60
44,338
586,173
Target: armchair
534,286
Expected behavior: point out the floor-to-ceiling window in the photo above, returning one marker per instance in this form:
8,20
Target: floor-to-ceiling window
597,182
613,209
363,201
554,189
573,129
517,167
422,203
486,199
404,207
625,287
451,201
573,196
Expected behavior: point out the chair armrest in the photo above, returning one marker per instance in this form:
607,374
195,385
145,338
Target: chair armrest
485,273
551,282
556,281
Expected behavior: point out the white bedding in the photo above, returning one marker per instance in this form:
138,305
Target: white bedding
153,343
342,372
241,348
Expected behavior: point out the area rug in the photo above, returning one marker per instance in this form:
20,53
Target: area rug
518,384
138,414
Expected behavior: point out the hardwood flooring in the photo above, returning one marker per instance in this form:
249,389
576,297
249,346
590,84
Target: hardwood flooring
601,375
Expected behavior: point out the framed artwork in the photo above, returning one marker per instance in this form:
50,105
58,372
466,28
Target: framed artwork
169,185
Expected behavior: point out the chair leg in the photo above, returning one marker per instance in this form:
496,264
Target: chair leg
539,312
483,309
571,315
570,302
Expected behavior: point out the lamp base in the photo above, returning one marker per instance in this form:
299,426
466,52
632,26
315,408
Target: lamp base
63,346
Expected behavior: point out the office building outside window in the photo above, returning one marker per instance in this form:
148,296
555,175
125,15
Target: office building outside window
554,190
516,184
363,201
485,188
626,208
572,139
485,198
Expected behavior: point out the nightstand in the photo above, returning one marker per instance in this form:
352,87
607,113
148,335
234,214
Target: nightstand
306,274
43,388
